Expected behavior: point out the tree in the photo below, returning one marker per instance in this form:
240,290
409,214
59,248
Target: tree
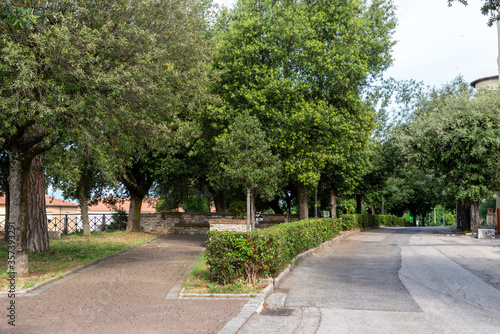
96,66
247,160
455,132
37,236
303,81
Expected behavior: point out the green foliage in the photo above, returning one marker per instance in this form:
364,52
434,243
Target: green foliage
456,134
304,81
246,157
371,221
490,203
195,203
17,16
238,209
263,253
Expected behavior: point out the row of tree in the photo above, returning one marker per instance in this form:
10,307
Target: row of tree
443,149
176,97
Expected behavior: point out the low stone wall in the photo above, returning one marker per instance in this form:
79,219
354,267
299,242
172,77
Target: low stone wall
271,220
179,222
238,225
199,222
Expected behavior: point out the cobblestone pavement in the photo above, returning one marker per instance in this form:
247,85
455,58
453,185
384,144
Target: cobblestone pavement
125,294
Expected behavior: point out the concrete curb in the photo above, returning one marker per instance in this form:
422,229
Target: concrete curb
74,270
177,289
257,304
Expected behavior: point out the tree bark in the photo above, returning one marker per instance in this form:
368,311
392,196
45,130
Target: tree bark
463,216
373,210
82,199
19,171
333,204
249,207
38,236
220,205
474,217
358,204
134,214
302,197
252,212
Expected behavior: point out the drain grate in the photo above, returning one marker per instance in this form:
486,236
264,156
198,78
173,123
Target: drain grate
278,313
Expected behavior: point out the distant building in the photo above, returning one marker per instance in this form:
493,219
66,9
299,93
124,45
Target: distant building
487,82
55,206
107,205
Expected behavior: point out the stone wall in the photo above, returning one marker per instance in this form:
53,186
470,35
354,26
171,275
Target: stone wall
179,222
271,220
238,225
198,222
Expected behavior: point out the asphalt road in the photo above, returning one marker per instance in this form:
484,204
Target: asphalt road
390,280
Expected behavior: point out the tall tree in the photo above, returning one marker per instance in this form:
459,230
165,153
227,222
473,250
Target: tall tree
247,161
303,80
93,65
456,133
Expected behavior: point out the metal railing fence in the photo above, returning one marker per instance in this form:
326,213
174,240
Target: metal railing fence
71,223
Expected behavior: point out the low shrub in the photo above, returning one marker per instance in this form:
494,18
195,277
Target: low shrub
266,252
263,253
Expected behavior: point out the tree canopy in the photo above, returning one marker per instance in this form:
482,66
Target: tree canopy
304,81
455,133
106,69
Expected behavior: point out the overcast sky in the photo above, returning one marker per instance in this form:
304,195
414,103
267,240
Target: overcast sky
436,43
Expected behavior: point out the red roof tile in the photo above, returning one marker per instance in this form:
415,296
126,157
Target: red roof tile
113,204
49,201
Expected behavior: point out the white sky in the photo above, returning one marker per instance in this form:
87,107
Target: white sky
436,43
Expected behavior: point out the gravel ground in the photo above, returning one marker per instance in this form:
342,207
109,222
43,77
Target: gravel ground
125,294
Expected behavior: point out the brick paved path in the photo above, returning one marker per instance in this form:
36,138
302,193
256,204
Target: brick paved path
125,294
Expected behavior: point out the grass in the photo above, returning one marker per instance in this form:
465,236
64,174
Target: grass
198,281
67,253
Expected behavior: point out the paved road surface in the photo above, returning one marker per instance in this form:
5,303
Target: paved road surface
391,280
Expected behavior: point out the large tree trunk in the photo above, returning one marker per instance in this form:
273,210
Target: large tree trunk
333,204
220,204
134,215
463,216
82,199
302,197
358,204
38,236
474,217
19,171
249,208
252,210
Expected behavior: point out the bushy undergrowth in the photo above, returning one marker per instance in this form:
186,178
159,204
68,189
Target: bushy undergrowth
263,253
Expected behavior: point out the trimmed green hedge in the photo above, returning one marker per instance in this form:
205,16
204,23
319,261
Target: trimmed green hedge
367,221
263,253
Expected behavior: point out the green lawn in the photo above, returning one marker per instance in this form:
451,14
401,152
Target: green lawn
70,252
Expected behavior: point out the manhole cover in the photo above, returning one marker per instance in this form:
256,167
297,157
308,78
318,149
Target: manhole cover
278,313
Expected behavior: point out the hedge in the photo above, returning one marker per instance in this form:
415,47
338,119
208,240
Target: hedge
264,253
367,221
